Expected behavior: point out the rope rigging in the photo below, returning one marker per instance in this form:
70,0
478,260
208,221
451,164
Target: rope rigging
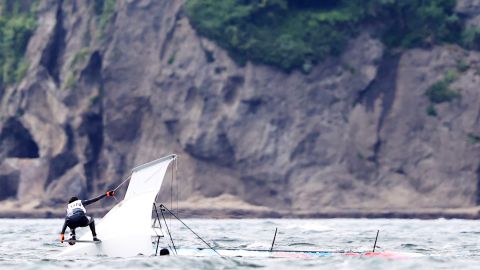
124,181
168,230
164,208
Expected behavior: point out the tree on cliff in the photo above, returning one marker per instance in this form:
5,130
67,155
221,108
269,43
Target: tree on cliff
292,34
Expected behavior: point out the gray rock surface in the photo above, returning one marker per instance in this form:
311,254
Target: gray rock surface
351,134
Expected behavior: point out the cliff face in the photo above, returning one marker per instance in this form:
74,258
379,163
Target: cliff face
357,132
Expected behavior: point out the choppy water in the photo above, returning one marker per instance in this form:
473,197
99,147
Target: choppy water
449,244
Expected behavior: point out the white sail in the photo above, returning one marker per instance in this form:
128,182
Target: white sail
126,230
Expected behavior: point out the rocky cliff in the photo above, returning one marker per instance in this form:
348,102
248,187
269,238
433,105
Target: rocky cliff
110,89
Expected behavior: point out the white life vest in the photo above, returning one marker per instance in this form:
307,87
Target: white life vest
75,207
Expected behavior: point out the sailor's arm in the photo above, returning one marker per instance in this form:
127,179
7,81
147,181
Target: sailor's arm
64,228
62,234
90,201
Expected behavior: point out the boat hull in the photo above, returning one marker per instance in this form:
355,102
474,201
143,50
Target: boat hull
202,252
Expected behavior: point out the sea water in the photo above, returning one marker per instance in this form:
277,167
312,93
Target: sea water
446,244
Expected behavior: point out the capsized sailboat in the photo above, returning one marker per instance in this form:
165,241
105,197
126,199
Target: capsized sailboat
127,230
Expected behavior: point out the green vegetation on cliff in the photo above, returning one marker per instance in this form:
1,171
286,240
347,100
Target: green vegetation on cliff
17,24
440,92
293,34
104,10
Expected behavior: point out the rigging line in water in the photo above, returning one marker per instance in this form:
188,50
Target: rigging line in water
375,244
186,226
274,237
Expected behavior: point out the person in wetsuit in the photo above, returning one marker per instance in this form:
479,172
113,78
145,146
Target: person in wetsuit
76,216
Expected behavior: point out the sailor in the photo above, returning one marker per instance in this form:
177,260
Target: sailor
76,216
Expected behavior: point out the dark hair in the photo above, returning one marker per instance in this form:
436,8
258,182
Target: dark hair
72,199
164,252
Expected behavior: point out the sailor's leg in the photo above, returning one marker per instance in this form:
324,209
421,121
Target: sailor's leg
72,239
72,225
91,224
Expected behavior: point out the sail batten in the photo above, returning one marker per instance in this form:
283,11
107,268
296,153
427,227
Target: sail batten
126,229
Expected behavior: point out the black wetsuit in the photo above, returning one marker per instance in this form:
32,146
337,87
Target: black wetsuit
78,218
